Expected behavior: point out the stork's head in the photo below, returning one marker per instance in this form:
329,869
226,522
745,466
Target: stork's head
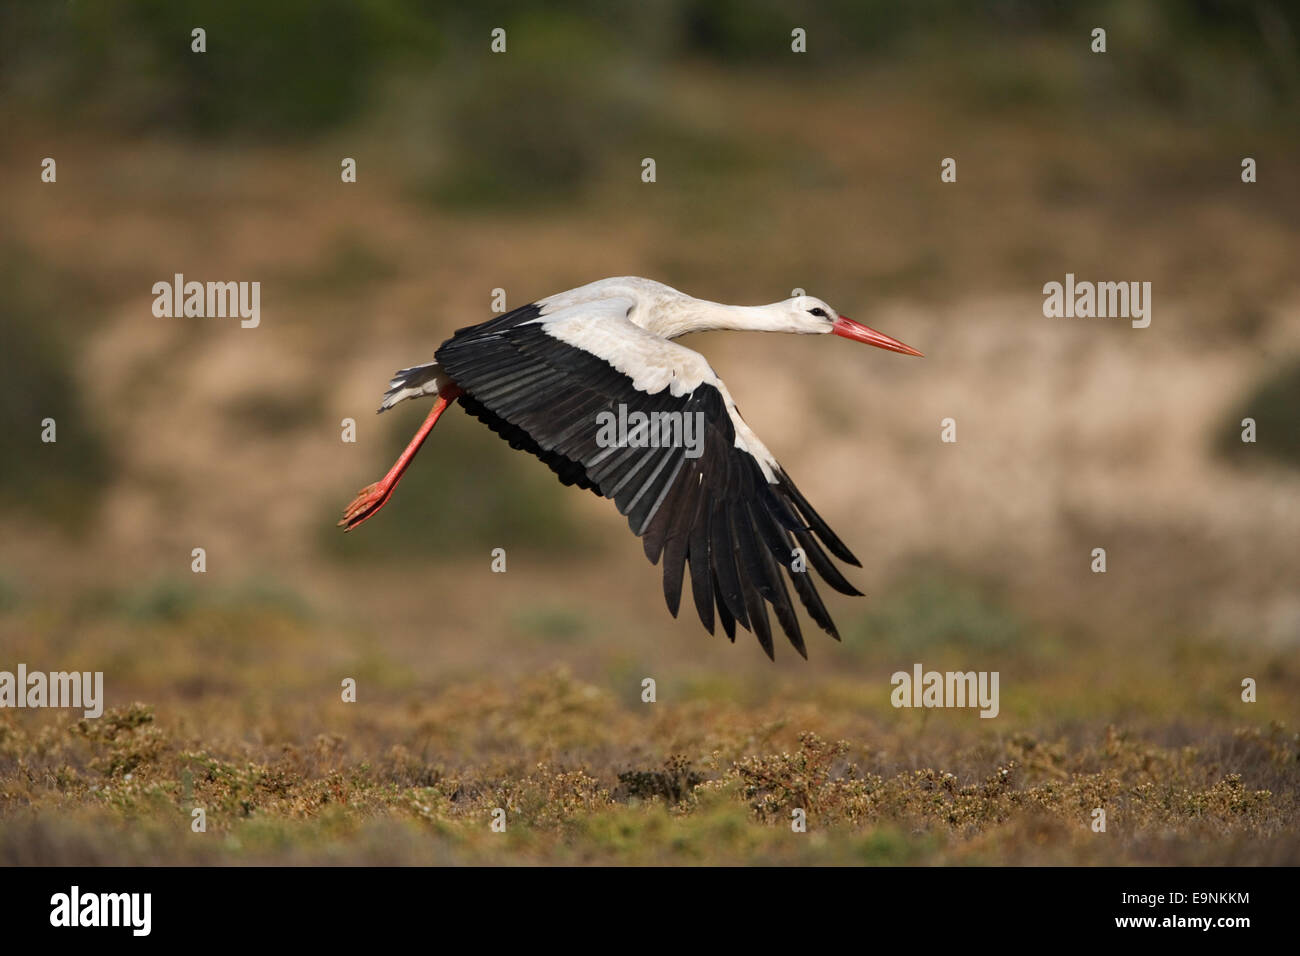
811,315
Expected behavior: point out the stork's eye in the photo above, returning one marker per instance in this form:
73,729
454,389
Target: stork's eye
819,312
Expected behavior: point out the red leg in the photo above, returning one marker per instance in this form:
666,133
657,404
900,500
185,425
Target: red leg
373,497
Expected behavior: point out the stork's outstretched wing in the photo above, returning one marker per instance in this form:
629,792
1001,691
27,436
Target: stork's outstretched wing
540,377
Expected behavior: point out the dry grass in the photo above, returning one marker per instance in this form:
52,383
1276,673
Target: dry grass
121,789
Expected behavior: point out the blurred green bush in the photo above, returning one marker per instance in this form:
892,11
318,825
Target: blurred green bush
56,481
302,66
284,68
1274,404
932,608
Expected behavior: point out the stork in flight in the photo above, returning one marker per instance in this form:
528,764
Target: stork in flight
543,376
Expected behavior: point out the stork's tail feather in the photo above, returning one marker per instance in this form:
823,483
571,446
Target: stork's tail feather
412,383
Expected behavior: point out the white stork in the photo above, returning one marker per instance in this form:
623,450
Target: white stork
543,376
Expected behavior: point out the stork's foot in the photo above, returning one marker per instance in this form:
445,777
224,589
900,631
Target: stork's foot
373,497
366,504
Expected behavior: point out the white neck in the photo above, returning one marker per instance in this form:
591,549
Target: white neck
699,315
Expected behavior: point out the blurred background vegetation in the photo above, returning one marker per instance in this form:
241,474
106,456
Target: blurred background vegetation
299,68
522,171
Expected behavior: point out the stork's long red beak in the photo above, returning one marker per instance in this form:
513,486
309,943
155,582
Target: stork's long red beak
860,333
